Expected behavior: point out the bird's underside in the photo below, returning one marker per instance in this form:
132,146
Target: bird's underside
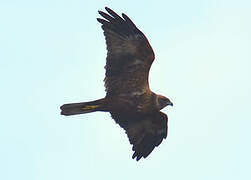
128,97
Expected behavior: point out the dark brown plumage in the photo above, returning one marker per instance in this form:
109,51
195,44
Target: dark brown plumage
128,97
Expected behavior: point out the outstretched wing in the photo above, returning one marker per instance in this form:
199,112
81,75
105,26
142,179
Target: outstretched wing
129,56
145,132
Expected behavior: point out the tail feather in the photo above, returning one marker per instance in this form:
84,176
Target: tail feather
82,108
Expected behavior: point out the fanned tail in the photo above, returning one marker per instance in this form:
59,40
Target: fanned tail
82,108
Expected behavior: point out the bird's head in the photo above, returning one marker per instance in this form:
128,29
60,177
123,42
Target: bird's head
163,101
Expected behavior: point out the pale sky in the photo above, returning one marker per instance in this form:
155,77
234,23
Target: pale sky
53,52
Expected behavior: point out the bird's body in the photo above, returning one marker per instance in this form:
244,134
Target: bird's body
128,98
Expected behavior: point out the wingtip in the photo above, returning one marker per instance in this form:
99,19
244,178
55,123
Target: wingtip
107,8
134,155
99,20
100,11
137,156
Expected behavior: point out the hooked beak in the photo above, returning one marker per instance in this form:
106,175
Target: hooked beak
170,103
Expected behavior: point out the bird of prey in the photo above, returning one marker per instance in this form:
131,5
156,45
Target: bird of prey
129,98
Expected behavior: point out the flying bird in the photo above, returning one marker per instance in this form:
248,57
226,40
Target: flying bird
129,98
